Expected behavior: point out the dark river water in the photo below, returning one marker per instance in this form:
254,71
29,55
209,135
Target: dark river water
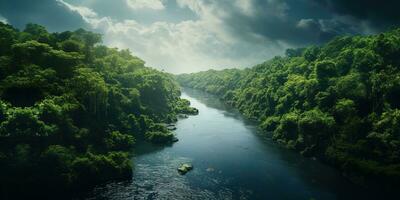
231,161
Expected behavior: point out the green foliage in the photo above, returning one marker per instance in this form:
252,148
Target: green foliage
118,141
7,38
25,124
92,169
159,136
325,69
339,102
70,110
183,106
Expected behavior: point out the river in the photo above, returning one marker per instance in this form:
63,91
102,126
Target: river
231,161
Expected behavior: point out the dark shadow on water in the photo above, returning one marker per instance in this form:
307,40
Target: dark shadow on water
143,148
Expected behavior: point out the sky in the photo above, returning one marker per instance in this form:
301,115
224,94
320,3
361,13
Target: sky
181,36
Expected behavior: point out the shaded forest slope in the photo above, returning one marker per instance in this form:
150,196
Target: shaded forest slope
339,102
71,109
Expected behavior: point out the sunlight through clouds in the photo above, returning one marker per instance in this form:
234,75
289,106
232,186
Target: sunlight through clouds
246,6
149,4
192,35
185,46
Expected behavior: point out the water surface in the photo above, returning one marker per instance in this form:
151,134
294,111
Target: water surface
231,161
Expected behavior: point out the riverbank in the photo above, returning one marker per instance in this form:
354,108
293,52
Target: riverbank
232,161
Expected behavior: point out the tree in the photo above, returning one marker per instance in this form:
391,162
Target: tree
7,37
70,109
338,102
39,33
25,124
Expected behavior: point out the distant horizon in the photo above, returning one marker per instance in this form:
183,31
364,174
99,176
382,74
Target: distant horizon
186,36
194,70
199,99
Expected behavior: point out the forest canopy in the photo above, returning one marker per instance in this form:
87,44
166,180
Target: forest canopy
71,109
339,102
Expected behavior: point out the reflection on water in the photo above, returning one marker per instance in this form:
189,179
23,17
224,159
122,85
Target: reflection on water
231,161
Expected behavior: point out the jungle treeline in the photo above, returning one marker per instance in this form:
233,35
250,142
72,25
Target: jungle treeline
71,110
339,102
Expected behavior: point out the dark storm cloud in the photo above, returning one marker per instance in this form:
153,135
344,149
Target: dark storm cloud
295,22
376,11
304,22
46,12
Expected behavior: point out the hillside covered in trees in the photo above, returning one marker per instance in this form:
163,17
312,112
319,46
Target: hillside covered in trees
71,109
339,102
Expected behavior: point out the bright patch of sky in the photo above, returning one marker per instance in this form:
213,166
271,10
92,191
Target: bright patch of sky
193,35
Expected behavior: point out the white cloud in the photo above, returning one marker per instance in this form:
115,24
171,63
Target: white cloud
83,11
88,15
194,5
307,23
143,4
3,19
245,6
184,46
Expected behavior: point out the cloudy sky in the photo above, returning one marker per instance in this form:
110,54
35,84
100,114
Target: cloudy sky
193,35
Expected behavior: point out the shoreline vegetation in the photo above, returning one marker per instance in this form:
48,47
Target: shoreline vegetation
338,102
71,110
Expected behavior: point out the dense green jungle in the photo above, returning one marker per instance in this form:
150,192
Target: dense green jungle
71,110
82,120
338,102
